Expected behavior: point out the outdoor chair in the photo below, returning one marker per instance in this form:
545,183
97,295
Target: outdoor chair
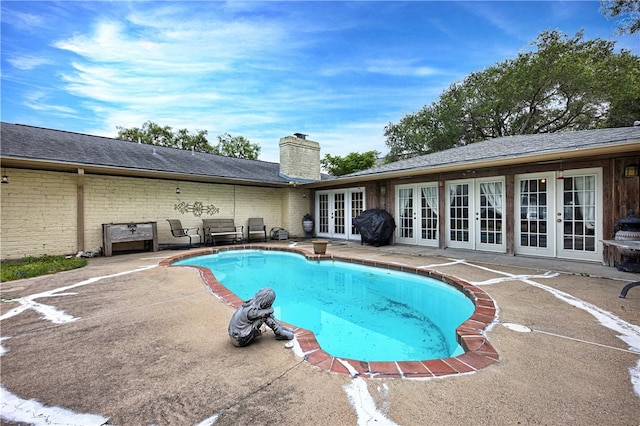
179,232
257,226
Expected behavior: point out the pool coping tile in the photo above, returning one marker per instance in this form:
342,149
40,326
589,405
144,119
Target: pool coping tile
438,367
385,369
413,369
479,353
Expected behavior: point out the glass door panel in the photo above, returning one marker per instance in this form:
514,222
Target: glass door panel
459,206
534,233
338,214
490,215
429,234
405,215
578,220
357,207
323,213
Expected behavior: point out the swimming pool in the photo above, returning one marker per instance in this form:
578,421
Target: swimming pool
355,311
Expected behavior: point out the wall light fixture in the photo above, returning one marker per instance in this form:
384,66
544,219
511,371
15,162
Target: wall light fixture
629,171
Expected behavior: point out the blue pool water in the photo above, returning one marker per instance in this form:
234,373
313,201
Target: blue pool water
357,312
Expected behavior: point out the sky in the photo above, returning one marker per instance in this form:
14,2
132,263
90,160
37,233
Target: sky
336,71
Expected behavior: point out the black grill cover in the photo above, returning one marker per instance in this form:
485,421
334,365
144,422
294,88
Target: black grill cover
375,226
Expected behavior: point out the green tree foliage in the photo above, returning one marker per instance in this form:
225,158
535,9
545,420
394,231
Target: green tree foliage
236,146
562,84
627,10
154,134
352,162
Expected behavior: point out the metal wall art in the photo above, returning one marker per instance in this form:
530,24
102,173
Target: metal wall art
197,208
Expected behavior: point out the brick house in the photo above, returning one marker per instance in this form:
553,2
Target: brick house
63,186
554,195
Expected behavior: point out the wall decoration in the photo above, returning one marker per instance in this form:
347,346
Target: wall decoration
197,208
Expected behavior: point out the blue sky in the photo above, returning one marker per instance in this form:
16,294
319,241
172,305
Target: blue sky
337,71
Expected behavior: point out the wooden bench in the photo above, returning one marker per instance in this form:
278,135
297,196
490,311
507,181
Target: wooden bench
216,229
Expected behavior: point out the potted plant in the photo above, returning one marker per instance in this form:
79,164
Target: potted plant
320,246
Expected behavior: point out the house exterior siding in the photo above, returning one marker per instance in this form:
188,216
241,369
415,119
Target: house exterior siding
618,193
38,213
64,186
39,209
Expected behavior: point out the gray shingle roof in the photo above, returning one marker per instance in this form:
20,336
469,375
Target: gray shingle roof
513,147
35,143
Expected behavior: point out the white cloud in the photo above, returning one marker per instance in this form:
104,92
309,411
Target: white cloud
21,20
28,62
339,71
399,67
38,102
389,66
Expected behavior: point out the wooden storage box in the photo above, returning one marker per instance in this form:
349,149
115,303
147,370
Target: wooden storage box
125,232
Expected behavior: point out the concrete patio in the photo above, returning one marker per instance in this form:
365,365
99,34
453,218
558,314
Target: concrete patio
124,341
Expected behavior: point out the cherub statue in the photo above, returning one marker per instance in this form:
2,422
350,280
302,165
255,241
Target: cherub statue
246,321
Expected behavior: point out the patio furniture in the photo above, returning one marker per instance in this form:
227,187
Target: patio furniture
256,226
179,232
216,229
113,233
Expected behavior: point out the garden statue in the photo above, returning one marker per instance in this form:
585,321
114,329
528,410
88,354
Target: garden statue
246,321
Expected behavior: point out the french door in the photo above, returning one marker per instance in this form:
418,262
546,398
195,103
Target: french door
535,214
417,213
475,214
335,211
560,216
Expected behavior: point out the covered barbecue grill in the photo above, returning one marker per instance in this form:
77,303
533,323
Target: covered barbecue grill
375,227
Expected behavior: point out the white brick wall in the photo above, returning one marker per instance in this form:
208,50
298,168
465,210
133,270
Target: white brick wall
299,158
38,209
38,214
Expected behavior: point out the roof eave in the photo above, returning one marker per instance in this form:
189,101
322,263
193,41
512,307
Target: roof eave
541,157
71,167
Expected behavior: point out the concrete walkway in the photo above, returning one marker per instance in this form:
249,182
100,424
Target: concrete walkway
127,342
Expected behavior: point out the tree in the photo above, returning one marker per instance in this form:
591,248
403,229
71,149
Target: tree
563,84
618,8
154,134
624,109
236,146
434,128
352,162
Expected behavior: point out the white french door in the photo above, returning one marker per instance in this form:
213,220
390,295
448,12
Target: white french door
417,213
579,216
475,214
559,216
336,210
535,207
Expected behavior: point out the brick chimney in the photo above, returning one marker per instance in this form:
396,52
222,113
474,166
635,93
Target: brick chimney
299,158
